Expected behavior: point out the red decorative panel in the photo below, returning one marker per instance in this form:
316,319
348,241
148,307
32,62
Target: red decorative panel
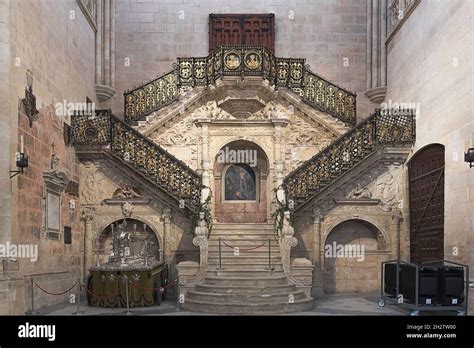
426,178
241,29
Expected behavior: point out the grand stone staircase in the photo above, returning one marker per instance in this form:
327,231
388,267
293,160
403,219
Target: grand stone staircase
248,277
243,271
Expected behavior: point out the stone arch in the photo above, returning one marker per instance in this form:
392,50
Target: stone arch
229,140
235,210
352,249
110,219
382,233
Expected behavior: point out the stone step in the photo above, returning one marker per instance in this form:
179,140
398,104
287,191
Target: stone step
248,289
214,253
248,298
231,308
243,241
245,250
244,281
248,249
247,272
242,227
242,235
242,260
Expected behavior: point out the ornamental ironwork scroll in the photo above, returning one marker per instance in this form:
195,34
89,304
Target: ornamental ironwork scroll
395,127
146,157
242,61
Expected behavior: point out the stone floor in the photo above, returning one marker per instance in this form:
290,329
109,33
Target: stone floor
357,304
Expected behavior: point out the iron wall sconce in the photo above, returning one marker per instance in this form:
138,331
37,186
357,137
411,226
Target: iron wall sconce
469,157
21,162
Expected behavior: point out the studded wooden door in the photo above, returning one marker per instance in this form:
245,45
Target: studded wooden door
426,186
241,29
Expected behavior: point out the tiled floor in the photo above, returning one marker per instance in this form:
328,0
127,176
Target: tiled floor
358,304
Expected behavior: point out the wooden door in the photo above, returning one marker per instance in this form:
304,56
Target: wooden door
241,29
426,186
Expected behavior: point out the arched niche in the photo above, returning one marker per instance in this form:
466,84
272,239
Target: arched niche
103,241
352,252
240,182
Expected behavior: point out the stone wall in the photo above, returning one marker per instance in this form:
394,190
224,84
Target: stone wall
331,35
58,264
55,43
430,64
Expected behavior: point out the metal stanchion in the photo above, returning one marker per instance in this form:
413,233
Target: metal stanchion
32,294
125,278
78,299
220,254
269,254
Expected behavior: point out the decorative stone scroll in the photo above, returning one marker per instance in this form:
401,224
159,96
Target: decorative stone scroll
186,269
302,275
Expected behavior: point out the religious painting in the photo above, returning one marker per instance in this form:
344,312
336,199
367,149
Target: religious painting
232,60
252,60
240,183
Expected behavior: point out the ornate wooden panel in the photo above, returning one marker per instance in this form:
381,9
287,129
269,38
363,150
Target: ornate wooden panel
426,180
241,29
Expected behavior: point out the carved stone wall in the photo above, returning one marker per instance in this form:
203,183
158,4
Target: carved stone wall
102,183
245,110
373,198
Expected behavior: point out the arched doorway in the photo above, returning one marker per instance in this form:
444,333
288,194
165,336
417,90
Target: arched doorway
426,186
240,183
353,251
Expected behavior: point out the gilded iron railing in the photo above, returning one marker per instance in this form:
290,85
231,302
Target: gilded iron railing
241,61
146,157
382,128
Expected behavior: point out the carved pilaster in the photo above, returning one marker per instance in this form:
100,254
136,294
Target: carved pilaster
87,215
317,217
205,160
166,217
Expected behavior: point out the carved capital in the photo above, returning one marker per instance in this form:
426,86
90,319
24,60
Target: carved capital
166,215
88,214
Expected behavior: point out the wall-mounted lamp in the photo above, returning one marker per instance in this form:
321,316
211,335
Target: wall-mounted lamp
21,160
469,155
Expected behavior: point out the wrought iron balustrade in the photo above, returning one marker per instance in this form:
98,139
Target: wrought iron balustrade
241,61
382,128
146,157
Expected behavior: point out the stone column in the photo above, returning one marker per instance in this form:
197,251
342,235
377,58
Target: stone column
88,216
317,286
167,252
279,159
376,50
105,50
205,158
